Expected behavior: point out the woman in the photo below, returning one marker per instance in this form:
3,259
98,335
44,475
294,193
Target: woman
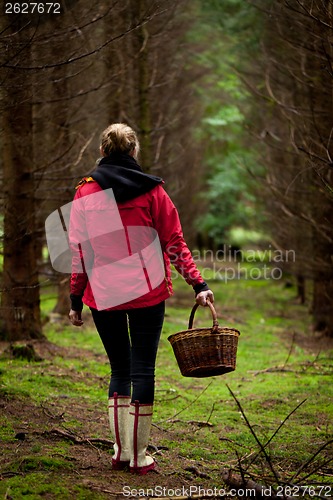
122,272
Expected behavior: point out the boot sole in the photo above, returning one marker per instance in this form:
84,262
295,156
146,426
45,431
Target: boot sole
141,471
119,465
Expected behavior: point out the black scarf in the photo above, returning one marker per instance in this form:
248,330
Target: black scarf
123,174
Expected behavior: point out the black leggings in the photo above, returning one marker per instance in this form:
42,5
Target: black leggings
130,338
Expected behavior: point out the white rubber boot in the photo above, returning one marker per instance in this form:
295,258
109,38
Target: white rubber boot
119,426
140,419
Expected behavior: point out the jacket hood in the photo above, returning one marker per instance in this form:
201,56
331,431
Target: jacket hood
123,174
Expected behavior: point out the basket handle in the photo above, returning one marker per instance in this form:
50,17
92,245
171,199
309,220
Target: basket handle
214,315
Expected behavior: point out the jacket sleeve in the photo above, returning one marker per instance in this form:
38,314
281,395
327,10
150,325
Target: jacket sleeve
81,250
167,223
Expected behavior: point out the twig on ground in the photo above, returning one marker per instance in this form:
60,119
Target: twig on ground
211,413
267,457
239,481
245,486
157,450
272,369
282,369
196,472
199,423
52,415
76,439
189,405
291,349
277,430
308,462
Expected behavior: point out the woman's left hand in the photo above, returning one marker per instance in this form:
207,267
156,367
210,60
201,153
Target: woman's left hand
75,318
202,297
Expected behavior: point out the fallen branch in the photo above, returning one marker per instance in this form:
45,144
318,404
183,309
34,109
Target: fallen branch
282,369
310,460
52,415
196,472
241,484
291,349
188,406
157,450
277,430
199,423
273,369
243,487
262,448
76,439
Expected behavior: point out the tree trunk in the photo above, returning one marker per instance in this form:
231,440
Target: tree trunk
60,123
143,83
20,295
323,307
321,98
322,304
297,65
63,303
301,288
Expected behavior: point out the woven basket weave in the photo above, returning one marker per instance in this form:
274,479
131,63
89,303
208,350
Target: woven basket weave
205,352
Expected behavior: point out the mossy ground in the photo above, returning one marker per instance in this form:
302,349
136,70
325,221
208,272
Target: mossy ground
54,427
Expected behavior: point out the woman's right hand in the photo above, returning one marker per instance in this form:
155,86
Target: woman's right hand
75,318
203,296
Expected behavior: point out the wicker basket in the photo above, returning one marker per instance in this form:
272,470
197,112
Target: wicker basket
205,352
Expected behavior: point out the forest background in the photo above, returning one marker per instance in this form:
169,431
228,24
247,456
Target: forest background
232,102
233,105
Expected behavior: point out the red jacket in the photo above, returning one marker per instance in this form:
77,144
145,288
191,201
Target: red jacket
153,209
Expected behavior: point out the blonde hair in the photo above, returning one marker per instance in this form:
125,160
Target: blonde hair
119,138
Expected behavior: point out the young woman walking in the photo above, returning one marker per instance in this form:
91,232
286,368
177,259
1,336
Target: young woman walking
124,232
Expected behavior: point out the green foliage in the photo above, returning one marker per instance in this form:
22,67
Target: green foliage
228,196
241,237
236,20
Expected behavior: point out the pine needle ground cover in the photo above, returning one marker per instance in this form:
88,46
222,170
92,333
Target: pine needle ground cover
267,425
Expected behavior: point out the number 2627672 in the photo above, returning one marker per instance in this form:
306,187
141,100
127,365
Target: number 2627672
32,8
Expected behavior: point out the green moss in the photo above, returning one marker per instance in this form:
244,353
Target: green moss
7,431
33,463
273,375
49,485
